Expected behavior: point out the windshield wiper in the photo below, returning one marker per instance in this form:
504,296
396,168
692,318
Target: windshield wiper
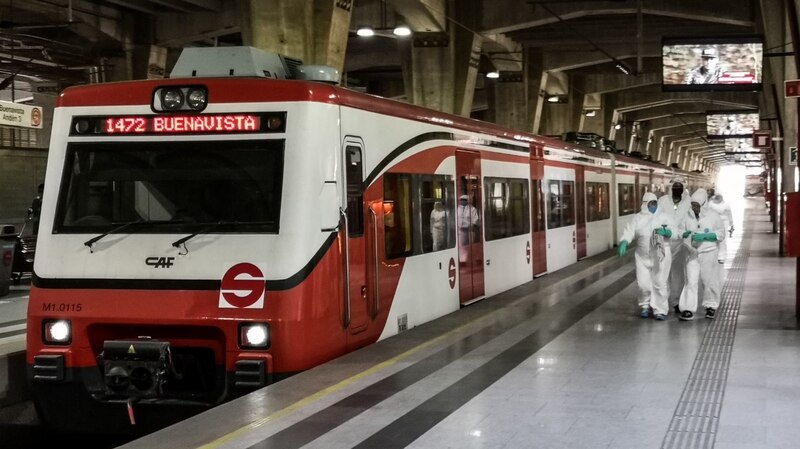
90,243
211,227
182,240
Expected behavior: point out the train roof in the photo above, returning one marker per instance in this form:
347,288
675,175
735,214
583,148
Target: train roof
259,89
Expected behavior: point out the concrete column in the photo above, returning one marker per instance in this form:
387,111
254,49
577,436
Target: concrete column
467,54
429,71
536,80
313,31
510,106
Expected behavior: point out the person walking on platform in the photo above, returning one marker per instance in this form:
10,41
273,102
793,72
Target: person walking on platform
651,229
720,206
676,203
701,230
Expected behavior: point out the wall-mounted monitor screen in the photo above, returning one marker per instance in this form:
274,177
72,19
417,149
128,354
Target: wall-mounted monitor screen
724,124
712,64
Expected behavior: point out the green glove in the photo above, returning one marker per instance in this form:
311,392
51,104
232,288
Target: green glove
687,233
699,237
623,246
665,232
710,237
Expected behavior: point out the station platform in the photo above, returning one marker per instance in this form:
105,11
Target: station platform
561,362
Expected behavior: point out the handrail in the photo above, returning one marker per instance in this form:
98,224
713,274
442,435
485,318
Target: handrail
377,265
346,244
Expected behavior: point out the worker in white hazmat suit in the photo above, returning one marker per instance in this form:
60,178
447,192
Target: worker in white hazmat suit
701,230
651,230
676,203
720,206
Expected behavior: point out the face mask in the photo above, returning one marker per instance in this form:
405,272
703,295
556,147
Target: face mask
677,191
652,209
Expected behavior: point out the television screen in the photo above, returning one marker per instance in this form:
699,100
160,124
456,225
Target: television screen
725,124
706,64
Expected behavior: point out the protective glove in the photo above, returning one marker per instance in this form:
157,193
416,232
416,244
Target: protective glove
710,237
666,232
687,233
623,247
698,237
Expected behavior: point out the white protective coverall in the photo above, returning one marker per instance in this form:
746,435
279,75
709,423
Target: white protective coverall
720,206
702,255
677,206
653,255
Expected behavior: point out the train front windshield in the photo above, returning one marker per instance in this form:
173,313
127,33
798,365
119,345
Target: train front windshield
171,187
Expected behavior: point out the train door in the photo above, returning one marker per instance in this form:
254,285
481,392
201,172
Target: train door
580,200
469,225
356,310
559,190
538,229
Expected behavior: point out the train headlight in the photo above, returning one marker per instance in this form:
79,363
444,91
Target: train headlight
57,332
180,99
196,99
171,99
254,335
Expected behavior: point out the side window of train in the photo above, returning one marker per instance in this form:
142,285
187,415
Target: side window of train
419,214
597,201
507,207
560,203
355,191
627,199
437,212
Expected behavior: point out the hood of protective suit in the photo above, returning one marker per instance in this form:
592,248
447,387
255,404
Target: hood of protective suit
700,196
646,198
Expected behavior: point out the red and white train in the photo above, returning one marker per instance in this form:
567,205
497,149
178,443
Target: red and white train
205,235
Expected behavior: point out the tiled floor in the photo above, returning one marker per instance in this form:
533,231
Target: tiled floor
562,363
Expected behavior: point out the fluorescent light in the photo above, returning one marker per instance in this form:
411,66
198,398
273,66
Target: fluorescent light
553,99
591,113
365,32
402,30
623,68
493,75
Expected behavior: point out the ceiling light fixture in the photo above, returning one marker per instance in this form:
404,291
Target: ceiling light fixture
553,99
401,30
591,113
617,126
493,74
365,32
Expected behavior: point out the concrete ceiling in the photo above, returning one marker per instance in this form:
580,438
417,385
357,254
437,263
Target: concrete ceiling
66,41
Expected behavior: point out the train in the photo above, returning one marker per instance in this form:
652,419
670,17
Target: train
208,234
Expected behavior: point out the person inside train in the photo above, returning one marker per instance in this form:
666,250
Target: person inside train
676,203
720,206
702,231
651,229
439,226
468,217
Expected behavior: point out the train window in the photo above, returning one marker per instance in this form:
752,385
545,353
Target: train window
397,213
355,191
597,201
507,207
419,214
627,199
436,212
172,187
560,203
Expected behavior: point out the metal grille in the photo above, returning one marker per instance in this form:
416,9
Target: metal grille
696,419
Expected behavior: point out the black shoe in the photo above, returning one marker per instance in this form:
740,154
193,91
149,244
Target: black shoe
710,312
677,309
687,315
